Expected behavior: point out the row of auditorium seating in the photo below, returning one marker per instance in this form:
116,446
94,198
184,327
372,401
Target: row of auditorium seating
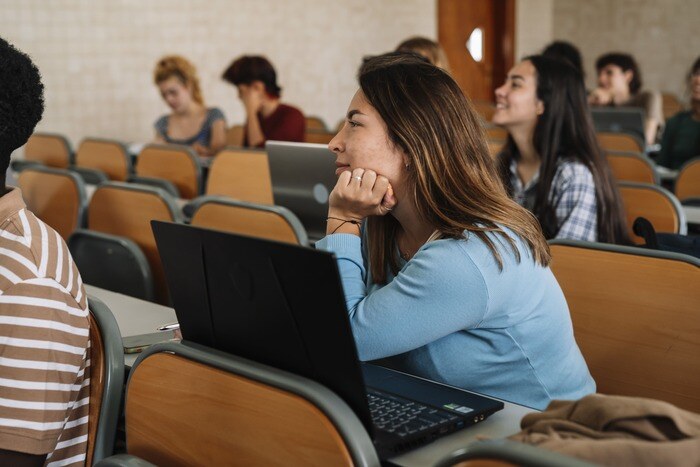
634,313
61,200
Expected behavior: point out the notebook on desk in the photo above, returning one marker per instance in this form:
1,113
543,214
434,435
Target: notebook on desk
283,305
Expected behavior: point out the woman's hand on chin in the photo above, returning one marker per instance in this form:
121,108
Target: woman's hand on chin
359,194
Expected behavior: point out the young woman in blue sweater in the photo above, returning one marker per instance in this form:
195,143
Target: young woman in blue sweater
443,273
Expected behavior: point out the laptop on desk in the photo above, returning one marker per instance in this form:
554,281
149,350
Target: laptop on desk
303,175
283,305
619,120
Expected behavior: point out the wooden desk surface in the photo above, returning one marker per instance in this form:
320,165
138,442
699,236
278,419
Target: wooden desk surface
136,316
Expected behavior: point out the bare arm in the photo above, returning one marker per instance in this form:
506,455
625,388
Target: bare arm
253,130
218,137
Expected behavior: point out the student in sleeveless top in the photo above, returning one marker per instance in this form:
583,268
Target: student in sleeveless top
266,117
620,84
190,123
444,275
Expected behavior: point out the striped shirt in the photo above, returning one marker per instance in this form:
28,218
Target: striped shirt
572,194
44,340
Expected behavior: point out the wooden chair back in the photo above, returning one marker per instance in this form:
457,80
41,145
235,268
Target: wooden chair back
496,133
234,135
632,167
636,318
106,381
318,136
188,406
655,204
688,181
485,109
241,174
624,142
127,210
495,148
108,156
96,385
50,149
55,196
256,220
175,163
316,123
670,104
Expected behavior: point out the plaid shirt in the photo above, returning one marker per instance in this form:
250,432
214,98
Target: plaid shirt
572,194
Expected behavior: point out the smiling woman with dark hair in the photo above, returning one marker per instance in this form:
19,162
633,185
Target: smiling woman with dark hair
443,273
552,163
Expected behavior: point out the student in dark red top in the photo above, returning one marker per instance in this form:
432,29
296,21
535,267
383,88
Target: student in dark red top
266,117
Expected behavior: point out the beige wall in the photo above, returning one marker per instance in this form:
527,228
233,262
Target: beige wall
533,26
97,56
663,35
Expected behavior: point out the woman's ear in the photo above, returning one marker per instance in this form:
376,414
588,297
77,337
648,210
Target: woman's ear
539,107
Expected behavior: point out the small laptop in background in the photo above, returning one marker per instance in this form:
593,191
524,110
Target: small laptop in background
619,120
283,305
303,175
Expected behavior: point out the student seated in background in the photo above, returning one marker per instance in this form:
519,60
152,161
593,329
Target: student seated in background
190,123
44,323
429,49
442,271
681,139
620,84
266,117
563,50
552,163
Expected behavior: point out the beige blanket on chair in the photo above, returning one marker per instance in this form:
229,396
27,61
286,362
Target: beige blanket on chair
616,430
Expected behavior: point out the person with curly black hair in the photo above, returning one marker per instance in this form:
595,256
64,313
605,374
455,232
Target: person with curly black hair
44,323
21,102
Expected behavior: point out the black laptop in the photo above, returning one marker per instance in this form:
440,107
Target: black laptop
619,120
283,305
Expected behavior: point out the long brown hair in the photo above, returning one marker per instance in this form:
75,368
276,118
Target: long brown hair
183,70
456,187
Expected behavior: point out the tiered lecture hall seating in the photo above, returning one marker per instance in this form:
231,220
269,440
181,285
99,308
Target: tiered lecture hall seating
190,405
688,182
49,149
108,156
55,196
256,220
176,164
636,318
632,167
126,210
654,203
617,142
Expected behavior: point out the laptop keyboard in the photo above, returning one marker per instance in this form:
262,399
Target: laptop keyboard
402,416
